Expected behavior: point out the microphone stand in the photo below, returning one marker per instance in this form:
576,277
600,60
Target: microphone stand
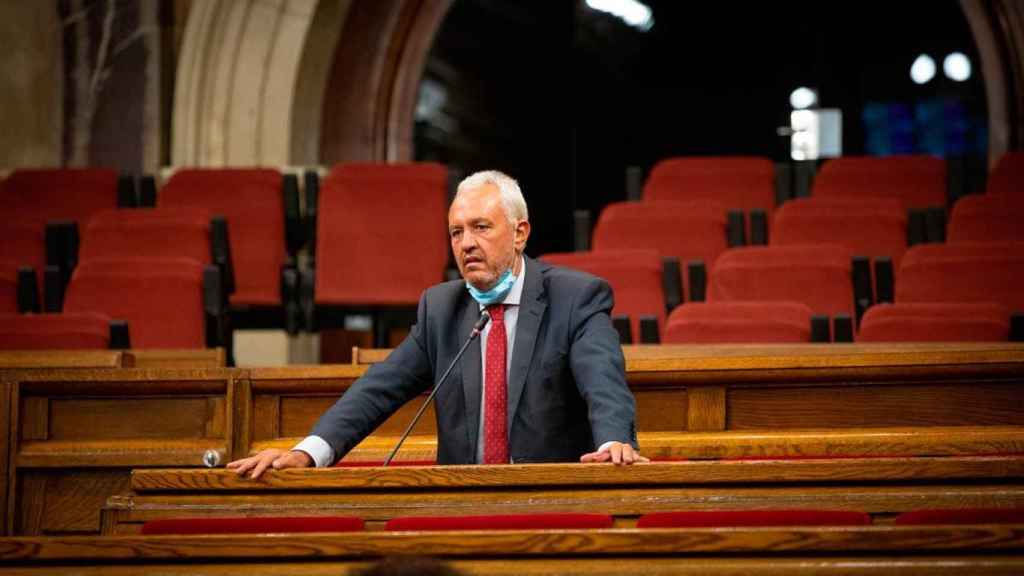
484,318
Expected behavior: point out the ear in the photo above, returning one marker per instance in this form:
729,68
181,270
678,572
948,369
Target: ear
522,233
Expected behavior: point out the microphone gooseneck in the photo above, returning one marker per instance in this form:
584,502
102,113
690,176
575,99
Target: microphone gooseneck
477,328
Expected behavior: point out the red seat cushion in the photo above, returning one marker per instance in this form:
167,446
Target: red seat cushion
253,525
871,227
67,331
968,272
501,522
935,322
962,516
8,287
46,194
736,182
987,218
723,518
152,233
916,181
739,322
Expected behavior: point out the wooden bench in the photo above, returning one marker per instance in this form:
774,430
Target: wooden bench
880,486
978,549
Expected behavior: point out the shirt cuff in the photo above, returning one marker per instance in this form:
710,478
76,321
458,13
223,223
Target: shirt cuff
318,449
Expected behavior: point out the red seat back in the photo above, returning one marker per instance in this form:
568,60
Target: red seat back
1008,175
736,182
962,516
968,272
987,218
8,287
634,275
162,299
870,227
243,525
381,233
553,521
935,322
739,322
917,181
148,233
750,518
58,193
23,242
818,276
252,201
68,331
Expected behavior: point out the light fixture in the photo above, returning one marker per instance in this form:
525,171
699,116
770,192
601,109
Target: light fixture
923,69
957,66
636,14
803,97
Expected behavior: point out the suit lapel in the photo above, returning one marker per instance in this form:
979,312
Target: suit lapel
472,372
532,305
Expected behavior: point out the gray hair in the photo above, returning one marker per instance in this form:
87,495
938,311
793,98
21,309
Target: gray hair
508,188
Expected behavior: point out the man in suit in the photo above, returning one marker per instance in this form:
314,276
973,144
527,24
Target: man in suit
546,382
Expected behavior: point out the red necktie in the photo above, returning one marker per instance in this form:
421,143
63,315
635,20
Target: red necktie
495,390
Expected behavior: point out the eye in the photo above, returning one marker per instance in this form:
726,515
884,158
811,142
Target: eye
481,227
455,232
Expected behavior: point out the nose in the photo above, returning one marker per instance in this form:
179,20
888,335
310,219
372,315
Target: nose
467,241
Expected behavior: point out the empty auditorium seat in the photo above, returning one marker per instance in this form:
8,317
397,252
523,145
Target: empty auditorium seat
736,182
870,227
59,193
987,218
552,521
917,181
739,322
252,201
818,276
935,322
148,233
22,242
380,236
752,518
686,231
68,331
252,525
8,287
162,299
961,516
965,272
635,276
1008,175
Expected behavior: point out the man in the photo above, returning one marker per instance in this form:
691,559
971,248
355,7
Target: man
546,382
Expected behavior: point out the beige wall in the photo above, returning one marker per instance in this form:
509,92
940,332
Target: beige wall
30,85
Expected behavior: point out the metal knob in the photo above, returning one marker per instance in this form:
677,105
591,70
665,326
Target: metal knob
211,458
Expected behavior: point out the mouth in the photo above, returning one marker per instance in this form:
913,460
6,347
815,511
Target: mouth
469,261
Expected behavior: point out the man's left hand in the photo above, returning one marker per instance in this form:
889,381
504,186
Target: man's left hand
617,452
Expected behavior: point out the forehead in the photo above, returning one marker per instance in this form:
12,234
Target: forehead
473,203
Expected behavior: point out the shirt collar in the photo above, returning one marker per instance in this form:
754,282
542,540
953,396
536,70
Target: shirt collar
516,292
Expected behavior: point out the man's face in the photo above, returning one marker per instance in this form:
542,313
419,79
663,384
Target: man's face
484,242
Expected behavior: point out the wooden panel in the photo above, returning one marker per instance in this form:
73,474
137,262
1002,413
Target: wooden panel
706,408
29,359
121,453
661,409
299,413
34,418
923,404
266,417
190,358
66,501
107,418
6,422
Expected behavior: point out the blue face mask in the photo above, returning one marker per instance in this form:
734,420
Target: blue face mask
497,293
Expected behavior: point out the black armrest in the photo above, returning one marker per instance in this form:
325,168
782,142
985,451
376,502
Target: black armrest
672,282
758,228
736,229
53,289
290,298
649,330
697,280
820,329
935,224
147,191
634,183
1017,327
621,324
862,296
311,185
294,235
120,339
126,196
581,230
28,290
220,252
842,328
62,246
916,227
307,299
884,280
216,308
783,182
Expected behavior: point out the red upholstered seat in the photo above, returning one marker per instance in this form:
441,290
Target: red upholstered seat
252,202
917,181
68,331
8,287
935,322
987,218
634,275
58,193
381,233
162,299
683,230
869,227
747,518
739,322
968,272
818,276
501,522
962,516
23,242
736,182
1008,175
253,525
150,233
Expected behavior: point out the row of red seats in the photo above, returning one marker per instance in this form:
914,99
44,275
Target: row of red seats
568,521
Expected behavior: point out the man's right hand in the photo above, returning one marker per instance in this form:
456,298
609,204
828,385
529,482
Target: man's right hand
270,458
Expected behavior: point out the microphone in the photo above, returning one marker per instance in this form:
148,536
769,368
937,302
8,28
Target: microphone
480,323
